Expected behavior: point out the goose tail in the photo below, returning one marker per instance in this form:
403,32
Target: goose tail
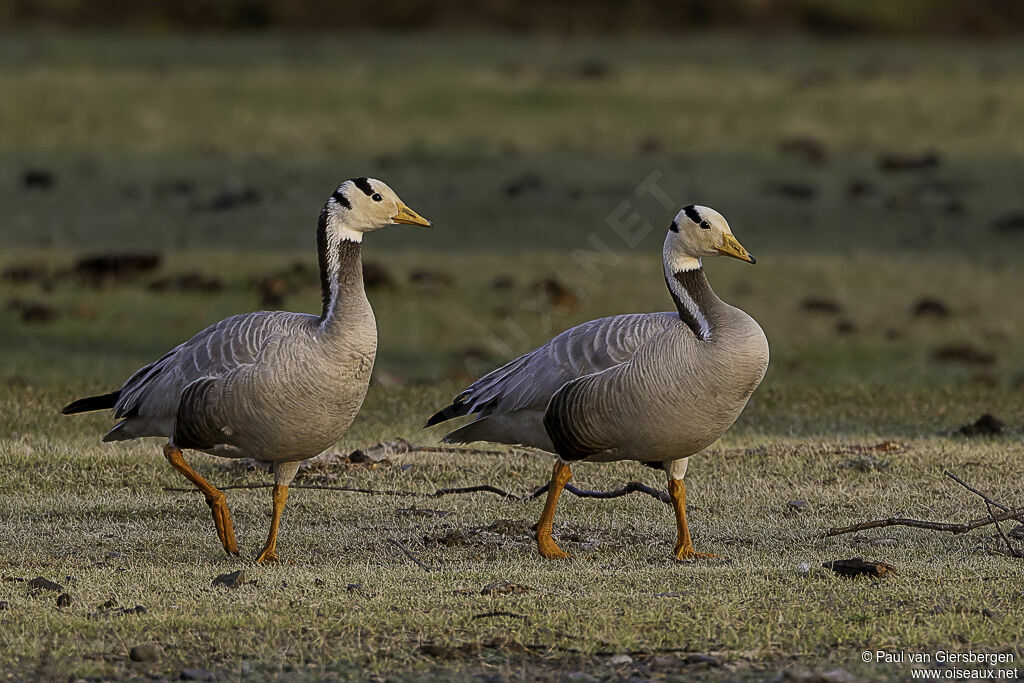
457,408
90,403
474,431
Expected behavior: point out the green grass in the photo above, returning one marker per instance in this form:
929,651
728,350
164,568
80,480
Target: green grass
449,122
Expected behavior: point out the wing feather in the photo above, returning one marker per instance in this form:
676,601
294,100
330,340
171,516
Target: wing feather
529,382
155,390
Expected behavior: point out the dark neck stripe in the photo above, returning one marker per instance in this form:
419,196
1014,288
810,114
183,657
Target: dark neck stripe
693,298
341,277
341,199
364,185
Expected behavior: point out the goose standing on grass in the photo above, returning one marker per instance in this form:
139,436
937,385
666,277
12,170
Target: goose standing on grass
651,387
274,386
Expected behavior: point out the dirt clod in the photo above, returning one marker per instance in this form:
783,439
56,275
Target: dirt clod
145,652
820,305
528,182
909,162
1009,223
231,579
32,312
233,195
41,583
986,425
931,307
857,566
594,70
112,268
964,354
38,179
556,294
430,280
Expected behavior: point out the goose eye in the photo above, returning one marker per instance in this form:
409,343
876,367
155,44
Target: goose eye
376,197
705,225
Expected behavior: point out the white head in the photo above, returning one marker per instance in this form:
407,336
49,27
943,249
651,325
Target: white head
364,205
698,231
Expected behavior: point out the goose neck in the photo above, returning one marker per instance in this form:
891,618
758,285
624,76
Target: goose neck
694,299
341,276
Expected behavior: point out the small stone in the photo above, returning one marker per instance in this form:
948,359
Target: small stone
145,652
64,600
620,660
798,505
354,587
803,569
231,579
197,675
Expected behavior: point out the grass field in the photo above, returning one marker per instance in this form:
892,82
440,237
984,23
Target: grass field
526,153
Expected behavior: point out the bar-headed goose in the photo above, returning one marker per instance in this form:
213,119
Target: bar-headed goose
274,386
651,387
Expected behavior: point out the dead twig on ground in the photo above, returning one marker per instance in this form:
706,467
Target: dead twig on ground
631,487
408,553
1007,513
989,504
970,488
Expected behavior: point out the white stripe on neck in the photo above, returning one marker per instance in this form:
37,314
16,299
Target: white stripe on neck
679,262
348,234
683,297
335,236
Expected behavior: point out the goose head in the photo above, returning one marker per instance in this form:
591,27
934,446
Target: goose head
363,205
699,231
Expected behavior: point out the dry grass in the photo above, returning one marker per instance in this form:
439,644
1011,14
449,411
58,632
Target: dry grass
96,518
451,124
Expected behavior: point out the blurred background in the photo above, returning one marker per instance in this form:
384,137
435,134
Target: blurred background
162,166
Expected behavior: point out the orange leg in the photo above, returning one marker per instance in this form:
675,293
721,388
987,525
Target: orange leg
545,544
269,553
684,546
214,498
